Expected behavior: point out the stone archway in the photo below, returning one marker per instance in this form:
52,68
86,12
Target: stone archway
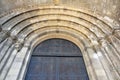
97,38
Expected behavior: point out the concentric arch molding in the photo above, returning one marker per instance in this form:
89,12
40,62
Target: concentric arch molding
24,28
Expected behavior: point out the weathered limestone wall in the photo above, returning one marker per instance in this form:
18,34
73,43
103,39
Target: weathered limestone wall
109,8
95,33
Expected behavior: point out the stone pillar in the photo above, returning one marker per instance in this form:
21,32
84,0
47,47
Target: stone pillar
15,69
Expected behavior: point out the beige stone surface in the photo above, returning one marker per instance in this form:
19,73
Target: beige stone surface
92,25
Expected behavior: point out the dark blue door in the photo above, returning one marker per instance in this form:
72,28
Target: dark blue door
56,59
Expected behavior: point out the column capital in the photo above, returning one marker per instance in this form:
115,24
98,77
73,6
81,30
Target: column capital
14,38
18,45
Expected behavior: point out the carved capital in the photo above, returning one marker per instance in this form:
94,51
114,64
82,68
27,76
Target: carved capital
18,46
14,38
103,42
5,33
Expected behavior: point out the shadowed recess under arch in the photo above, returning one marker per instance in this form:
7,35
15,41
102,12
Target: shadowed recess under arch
56,59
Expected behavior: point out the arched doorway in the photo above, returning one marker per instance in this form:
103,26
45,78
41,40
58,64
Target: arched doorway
56,59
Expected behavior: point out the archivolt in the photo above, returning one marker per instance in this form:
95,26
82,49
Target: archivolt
97,38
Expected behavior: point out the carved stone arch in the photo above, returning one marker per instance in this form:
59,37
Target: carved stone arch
97,37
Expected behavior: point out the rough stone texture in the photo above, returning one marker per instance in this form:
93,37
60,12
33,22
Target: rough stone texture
91,25
109,8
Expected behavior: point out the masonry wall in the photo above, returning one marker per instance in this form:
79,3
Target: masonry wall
109,8
93,30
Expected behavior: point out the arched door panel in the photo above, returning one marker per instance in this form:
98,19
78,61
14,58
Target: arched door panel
56,59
